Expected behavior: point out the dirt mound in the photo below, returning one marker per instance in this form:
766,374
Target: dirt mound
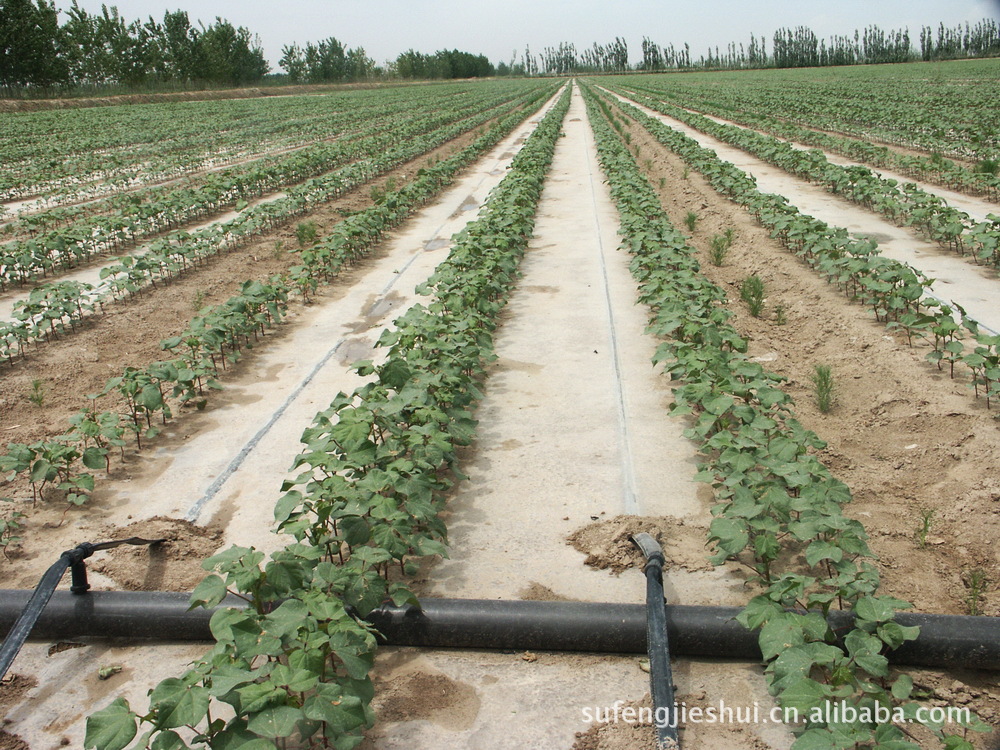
172,565
608,544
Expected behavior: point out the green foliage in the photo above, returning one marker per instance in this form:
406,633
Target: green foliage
719,249
824,388
37,393
926,518
306,233
373,477
752,293
977,584
690,220
778,510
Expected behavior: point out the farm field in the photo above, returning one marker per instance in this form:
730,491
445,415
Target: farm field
581,309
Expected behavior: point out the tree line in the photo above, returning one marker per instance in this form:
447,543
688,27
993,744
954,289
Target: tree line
91,48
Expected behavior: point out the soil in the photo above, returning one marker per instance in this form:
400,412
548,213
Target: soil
608,544
13,688
905,437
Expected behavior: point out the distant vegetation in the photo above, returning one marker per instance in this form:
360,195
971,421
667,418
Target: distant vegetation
40,54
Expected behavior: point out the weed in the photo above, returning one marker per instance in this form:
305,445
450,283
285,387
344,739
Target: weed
37,393
306,233
780,317
823,388
976,582
926,517
686,172
718,250
279,249
628,138
752,292
690,220
649,165
663,182
988,166
730,235
199,300
9,528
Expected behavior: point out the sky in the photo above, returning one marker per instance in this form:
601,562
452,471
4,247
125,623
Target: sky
498,29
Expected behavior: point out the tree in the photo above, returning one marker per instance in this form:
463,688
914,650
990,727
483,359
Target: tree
29,44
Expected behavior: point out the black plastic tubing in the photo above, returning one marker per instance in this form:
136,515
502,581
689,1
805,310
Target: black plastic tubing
952,641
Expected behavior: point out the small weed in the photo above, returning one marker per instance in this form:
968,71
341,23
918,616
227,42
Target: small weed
37,393
730,235
989,166
823,388
9,528
649,165
199,300
686,172
638,150
752,292
628,138
718,250
690,220
780,316
976,582
279,249
926,517
306,233
663,182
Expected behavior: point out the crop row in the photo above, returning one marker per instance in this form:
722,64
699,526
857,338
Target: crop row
50,308
215,336
88,152
894,291
937,169
138,215
946,108
906,205
778,505
294,664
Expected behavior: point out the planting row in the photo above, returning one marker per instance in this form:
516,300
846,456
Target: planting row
906,205
216,336
779,509
935,168
374,475
894,291
73,154
121,221
947,108
50,308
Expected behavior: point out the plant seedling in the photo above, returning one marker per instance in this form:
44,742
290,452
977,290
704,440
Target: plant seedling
690,220
718,250
824,389
37,393
976,582
926,517
306,233
752,292
780,316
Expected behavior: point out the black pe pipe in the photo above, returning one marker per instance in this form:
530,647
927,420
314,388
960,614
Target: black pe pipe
32,609
952,641
661,678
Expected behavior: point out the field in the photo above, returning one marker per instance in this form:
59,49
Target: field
461,340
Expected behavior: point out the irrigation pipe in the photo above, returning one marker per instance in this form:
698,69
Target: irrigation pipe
951,641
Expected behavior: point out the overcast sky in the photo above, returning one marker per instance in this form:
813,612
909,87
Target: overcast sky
498,28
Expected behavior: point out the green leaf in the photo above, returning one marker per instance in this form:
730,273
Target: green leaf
275,721
209,593
94,458
803,696
177,704
111,728
902,687
780,633
874,608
